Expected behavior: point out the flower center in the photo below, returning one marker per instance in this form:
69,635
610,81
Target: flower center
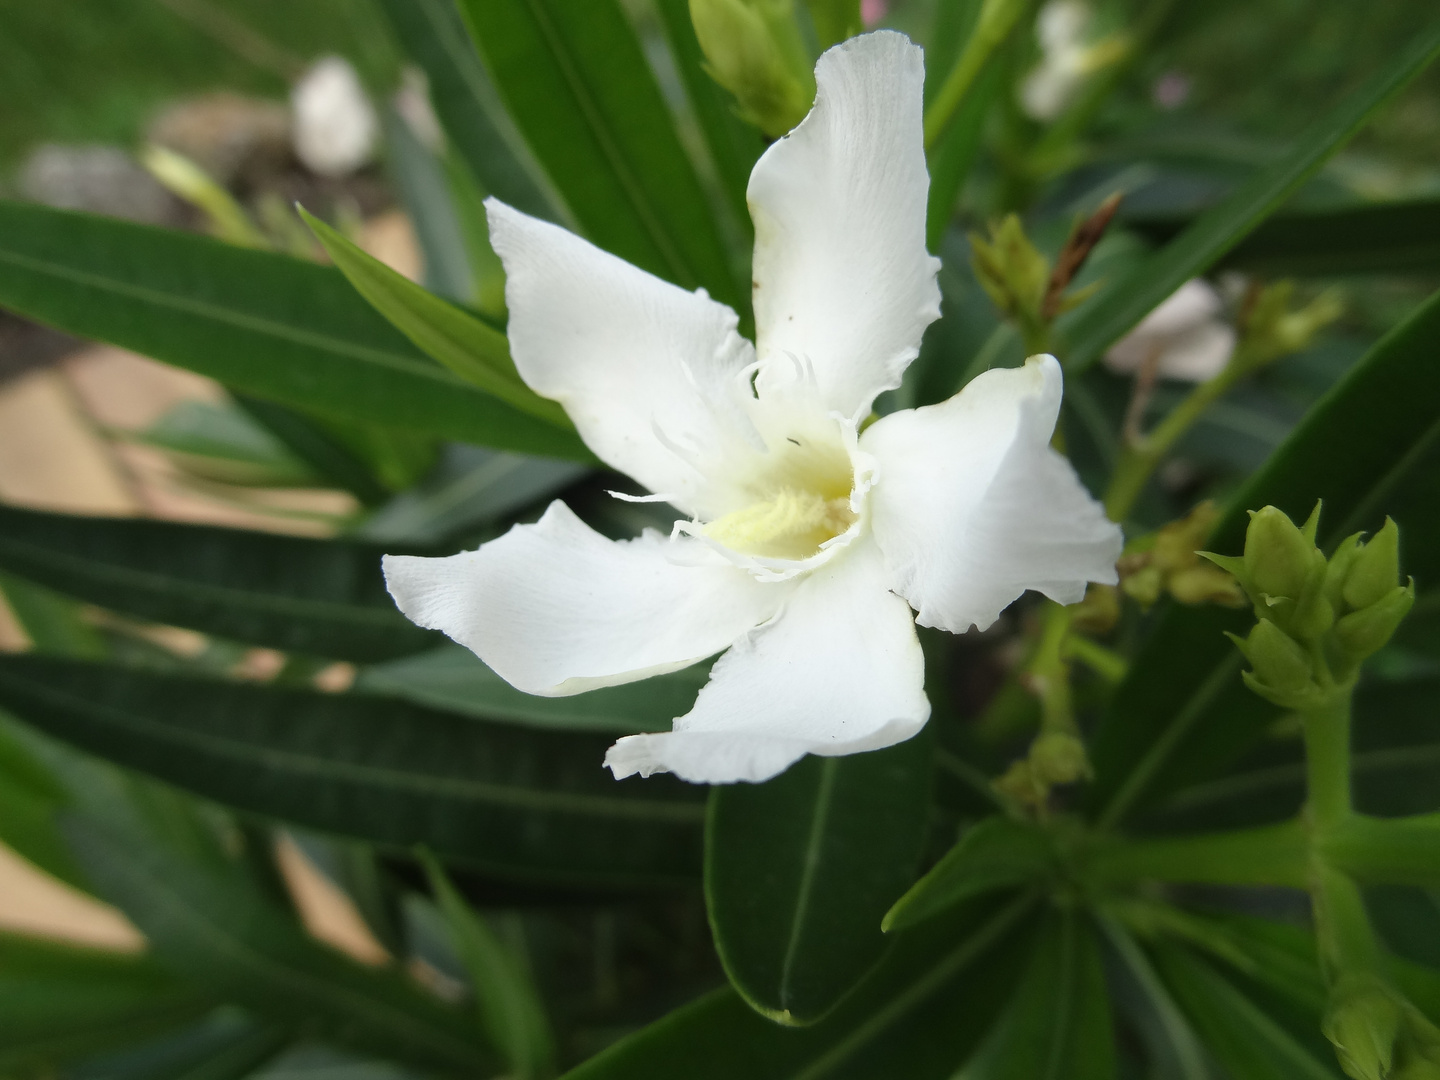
800,501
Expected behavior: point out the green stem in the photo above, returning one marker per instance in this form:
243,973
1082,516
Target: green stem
1106,663
1139,459
1392,851
992,26
1269,855
1051,672
1342,927
1327,760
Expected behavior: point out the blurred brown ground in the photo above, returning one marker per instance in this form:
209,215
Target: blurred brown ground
54,455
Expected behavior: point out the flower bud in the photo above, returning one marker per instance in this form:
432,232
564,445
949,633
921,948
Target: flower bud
1279,560
753,49
1364,632
1206,585
1058,757
1280,666
1375,568
1339,568
1363,1022
1011,269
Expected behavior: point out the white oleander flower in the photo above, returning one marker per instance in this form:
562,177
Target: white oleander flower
335,125
807,540
1067,58
1185,337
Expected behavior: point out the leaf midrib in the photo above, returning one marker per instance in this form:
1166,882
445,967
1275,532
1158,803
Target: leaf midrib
295,764
187,589
243,321
809,869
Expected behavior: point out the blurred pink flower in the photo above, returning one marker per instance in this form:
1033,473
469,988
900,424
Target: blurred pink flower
872,11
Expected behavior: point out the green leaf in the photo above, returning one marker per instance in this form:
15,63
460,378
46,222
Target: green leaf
30,799
424,191
471,487
1057,1025
473,350
264,324
324,597
217,441
61,1002
734,145
1395,851
468,346
952,158
918,1016
996,853
1246,1041
222,936
578,85
469,107
1111,315
800,870
507,1000
1388,238
1368,448
308,439
53,623
454,679
518,803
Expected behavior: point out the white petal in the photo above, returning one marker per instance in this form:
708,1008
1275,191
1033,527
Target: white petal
1198,354
555,608
972,506
839,671
651,374
842,277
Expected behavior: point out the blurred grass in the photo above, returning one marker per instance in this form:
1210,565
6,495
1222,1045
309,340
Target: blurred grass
96,70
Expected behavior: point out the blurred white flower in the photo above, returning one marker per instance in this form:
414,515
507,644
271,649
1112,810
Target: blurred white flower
335,125
1184,338
806,542
1067,58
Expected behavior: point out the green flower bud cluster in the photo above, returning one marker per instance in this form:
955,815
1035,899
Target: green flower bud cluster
1167,562
1270,329
1011,270
754,49
1317,618
1377,1034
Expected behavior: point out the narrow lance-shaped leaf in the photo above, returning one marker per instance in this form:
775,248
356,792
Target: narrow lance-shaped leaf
61,1002
425,192
507,1001
1131,298
464,97
474,351
264,324
1057,1024
918,1016
577,83
516,802
325,597
800,871
1368,448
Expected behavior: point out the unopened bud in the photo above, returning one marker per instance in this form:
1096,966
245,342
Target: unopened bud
1363,633
1144,585
1280,666
1058,757
754,50
1375,569
1206,585
1418,1068
1098,612
1363,1022
1339,569
1279,560
1011,269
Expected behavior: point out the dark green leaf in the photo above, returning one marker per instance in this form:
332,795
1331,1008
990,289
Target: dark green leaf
52,622
419,175
325,597
577,83
454,679
469,108
264,324
312,443
1057,1026
1247,1042
217,441
1389,238
30,799
1368,448
800,870
1131,298
507,1001
997,853
917,1017
734,145
516,802
472,349
226,938
61,1002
